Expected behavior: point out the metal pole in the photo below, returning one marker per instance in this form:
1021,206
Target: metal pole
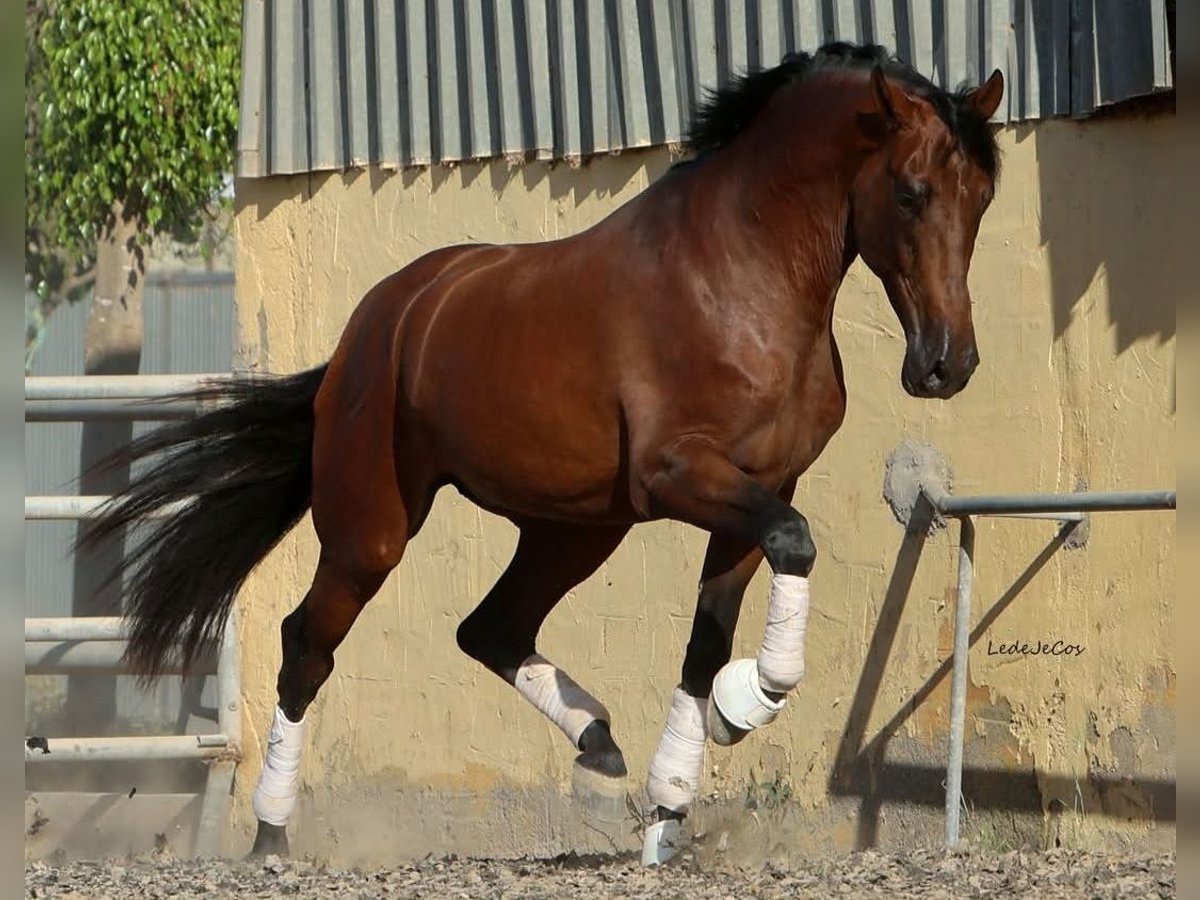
1042,516
114,387
61,645
229,683
1084,501
84,507
958,684
124,749
94,628
109,409
219,784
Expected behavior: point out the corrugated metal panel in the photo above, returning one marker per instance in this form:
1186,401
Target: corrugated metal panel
332,85
189,327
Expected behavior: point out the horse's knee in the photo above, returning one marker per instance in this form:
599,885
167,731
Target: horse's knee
472,638
788,546
481,638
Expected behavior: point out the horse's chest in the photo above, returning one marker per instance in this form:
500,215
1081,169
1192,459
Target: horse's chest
784,431
818,421
815,410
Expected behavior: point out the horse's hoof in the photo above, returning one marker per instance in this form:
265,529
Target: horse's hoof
600,752
600,797
598,779
722,733
269,840
662,842
606,763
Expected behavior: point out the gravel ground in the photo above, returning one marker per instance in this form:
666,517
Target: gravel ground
933,875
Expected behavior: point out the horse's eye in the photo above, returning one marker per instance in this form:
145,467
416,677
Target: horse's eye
911,197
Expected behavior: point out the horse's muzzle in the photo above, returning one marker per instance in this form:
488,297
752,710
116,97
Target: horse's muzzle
930,371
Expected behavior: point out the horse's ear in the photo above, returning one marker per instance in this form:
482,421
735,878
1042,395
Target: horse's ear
895,105
986,97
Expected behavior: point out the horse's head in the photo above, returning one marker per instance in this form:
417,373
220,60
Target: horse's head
917,204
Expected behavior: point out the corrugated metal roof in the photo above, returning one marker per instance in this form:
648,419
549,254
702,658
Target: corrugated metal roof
334,84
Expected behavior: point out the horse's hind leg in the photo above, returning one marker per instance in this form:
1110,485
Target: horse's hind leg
364,519
310,634
551,558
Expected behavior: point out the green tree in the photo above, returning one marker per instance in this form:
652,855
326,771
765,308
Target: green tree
130,130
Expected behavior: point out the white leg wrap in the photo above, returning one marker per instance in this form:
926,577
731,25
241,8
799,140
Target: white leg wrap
558,697
275,796
662,842
678,762
781,657
740,690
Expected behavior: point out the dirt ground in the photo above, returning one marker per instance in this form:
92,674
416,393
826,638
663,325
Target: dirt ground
923,874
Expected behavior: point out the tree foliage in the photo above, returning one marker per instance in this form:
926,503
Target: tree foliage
131,103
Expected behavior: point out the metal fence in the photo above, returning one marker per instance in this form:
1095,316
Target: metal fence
1068,509
95,646
189,328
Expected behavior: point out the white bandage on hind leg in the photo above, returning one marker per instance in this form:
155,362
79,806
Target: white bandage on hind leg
678,762
781,657
558,697
275,796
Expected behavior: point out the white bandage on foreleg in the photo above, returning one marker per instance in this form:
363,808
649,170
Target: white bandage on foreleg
781,657
275,796
678,762
558,697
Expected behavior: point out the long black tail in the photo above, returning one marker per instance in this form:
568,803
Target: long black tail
248,466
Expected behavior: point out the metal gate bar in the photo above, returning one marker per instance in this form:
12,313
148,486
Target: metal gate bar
110,410
115,387
1067,508
81,507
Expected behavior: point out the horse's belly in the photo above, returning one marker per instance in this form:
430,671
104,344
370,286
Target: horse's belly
514,463
523,418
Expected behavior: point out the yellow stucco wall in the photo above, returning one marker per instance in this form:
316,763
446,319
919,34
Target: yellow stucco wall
1075,314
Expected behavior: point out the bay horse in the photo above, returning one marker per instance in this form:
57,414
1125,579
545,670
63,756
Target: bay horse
676,360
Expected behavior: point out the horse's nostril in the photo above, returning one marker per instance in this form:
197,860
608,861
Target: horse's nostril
937,376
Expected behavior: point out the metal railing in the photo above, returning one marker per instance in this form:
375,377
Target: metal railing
143,398
61,646
1068,509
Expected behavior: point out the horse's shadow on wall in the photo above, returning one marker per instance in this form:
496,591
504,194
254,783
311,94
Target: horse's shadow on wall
863,769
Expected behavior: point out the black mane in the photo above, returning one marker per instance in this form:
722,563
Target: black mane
726,112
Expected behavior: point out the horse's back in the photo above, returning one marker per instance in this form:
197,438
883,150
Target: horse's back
497,367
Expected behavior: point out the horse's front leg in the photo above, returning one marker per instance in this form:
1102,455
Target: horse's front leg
677,766
697,484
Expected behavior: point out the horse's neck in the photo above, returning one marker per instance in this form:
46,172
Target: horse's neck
785,194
